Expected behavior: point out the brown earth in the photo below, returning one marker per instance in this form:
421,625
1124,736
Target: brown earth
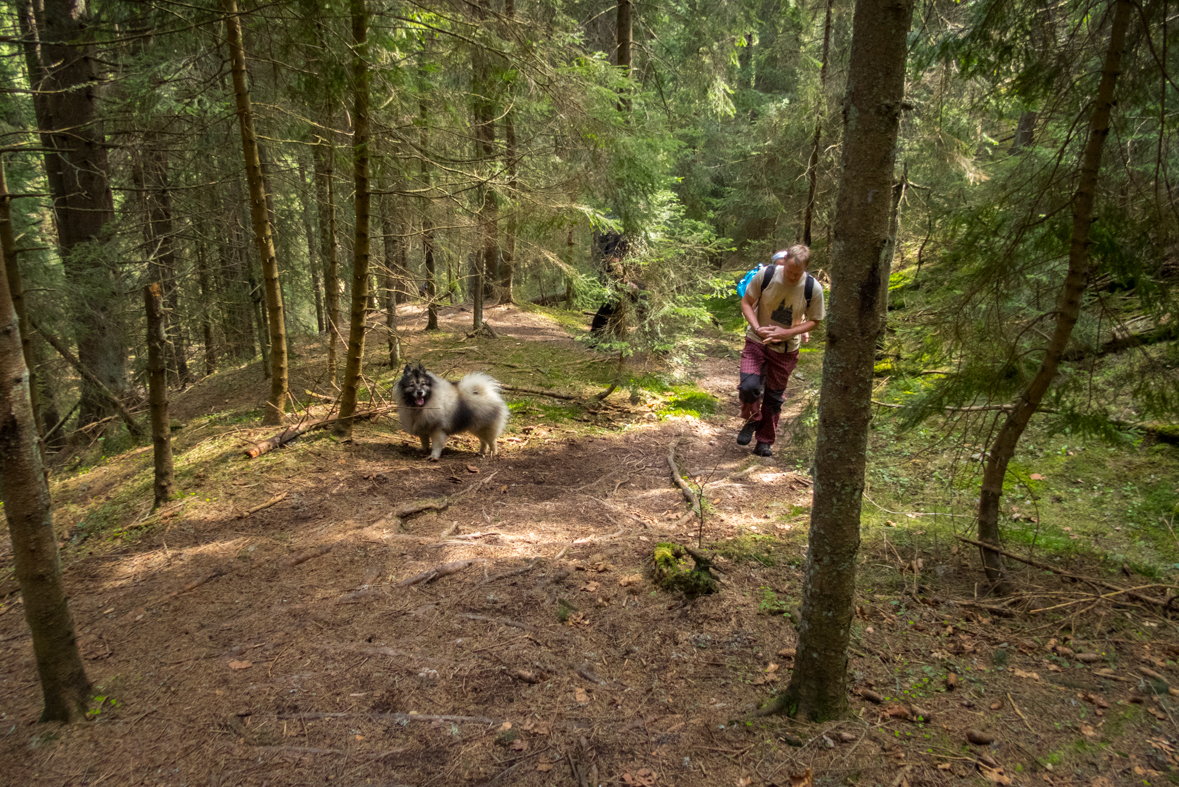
287,648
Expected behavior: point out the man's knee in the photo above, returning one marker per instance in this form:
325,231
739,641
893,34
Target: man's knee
774,399
749,391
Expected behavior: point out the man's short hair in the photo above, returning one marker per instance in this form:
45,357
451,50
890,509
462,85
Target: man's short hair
797,251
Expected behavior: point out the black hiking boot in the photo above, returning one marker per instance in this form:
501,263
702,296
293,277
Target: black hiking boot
746,434
762,449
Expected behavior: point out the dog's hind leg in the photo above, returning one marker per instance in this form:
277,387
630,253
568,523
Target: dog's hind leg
438,439
425,444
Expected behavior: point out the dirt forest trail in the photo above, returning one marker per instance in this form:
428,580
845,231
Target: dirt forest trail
226,639
378,619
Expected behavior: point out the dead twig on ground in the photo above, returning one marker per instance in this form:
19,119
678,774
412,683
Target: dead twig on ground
1163,603
303,557
271,502
220,571
290,433
689,495
405,717
436,572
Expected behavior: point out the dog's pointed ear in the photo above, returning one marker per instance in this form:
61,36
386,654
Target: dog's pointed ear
406,369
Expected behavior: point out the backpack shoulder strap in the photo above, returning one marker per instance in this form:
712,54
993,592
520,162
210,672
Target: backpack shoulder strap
809,289
768,276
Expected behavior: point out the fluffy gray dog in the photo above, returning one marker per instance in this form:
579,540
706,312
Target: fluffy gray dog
434,409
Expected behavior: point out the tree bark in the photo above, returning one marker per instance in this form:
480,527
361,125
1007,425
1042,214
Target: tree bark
483,116
312,248
157,375
1068,307
277,401
871,116
360,248
157,193
207,297
426,184
394,285
64,685
812,169
325,158
16,289
83,207
508,263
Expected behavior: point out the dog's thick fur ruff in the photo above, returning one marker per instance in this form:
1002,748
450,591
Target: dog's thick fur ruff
434,409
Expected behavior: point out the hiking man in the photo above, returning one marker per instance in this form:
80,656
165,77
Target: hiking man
782,304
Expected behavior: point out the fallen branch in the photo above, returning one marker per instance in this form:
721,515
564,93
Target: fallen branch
1160,602
689,495
133,426
501,621
418,506
303,557
512,573
436,572
404,717
378,755
588,539
220,571
1002,612
539,392
291,432
272,501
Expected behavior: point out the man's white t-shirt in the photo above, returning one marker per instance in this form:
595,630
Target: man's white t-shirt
784,306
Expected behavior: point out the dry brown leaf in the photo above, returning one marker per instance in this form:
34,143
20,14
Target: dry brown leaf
589,587
1021,674
472,469
897,712
519,745
1088,731
951,681
805,779
995,775
1088,658
580,695
544,766
1036,477
235,664
507,725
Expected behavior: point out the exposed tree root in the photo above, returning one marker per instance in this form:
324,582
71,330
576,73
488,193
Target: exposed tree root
272,501
436,572
303,557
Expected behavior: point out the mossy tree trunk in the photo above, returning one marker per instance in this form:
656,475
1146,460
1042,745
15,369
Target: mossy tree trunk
263,234
361,245
157,376
871,113
64,685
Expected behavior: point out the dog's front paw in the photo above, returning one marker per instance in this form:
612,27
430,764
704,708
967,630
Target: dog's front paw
432,458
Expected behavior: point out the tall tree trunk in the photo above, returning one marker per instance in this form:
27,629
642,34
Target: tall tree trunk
277,401
625,36
64,685
812,169
161,234
360,247
508,261
871,113
426,184
16,289
207,297
394,261
157,375
325,159
84,207
1068,307
312,247
483,113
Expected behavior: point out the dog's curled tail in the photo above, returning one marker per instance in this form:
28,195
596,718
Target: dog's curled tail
479,384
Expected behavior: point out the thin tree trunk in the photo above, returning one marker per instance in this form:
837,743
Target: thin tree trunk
426,184
394,249
1068,307
84,207
875,89
483,114
277,401
64,685
163,252
157,375
360,247
312,248
16,289
812,169
207,297
508,262
625,36
325,158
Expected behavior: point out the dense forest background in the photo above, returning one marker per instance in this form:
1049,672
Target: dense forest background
317,193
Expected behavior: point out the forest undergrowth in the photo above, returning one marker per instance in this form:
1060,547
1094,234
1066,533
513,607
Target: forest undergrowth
347,612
